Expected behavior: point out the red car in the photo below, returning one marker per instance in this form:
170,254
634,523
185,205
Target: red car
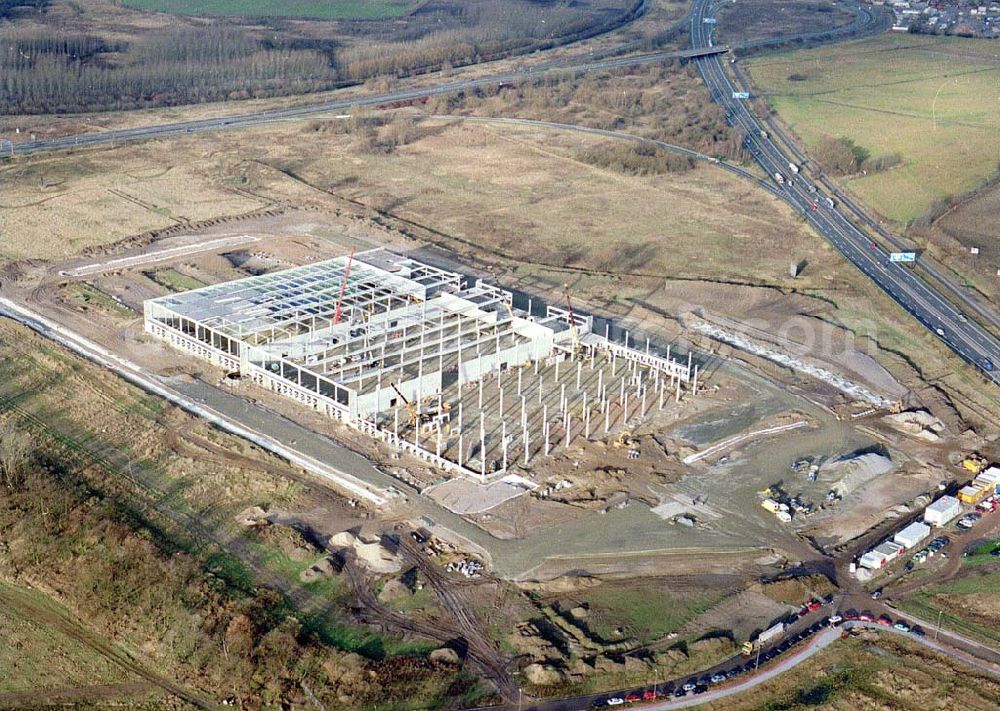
632,698
865,618
813,606
883,620
648,695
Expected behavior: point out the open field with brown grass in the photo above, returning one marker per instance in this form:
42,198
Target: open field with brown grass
57,206
933,100
766,19
523,193
526,199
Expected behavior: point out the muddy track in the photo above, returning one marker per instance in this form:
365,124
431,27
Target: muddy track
485,658
473,630
26,607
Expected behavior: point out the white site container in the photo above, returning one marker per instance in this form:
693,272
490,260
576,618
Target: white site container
911,536
942,511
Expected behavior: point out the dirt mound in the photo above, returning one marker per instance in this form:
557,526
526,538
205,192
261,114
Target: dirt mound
445,655
796,591
854,472
324,568
542,675
370,552
918,423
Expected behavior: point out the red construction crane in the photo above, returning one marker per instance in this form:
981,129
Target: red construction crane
343,288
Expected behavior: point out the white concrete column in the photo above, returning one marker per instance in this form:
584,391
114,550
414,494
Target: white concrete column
503,441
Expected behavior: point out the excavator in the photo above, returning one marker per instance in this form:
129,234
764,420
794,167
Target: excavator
625,439
418,416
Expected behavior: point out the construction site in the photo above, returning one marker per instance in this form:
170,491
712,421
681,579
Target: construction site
516,418
434,363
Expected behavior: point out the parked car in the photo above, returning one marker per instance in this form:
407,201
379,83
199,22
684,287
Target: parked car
902,626
716,678
834,620
616,701
884,620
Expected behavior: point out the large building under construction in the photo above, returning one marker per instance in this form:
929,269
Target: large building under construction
422,357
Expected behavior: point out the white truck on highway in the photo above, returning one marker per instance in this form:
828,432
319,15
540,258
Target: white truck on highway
779,178
794,168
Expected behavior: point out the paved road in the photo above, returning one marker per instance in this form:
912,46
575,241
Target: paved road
969,340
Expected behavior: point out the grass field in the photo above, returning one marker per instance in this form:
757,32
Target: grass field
174,280
523,193
35,656
934,100
645,610
967,605
56,206
869,675
313,9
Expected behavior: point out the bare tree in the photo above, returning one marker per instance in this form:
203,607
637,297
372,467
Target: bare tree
15,449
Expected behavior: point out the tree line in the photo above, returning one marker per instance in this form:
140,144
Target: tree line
47,69
41,73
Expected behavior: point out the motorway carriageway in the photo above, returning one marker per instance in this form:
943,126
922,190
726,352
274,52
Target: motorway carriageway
967,339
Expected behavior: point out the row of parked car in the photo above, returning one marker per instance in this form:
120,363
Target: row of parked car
885,620
699,685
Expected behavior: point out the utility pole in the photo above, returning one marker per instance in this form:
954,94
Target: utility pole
938,630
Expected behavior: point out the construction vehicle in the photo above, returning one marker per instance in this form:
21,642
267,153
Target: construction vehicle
974,463
625,439
432,415
747,649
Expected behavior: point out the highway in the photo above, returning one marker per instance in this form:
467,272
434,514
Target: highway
967,339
